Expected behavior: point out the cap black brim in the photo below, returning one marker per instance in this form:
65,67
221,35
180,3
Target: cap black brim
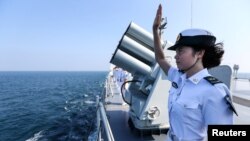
200,41
174,47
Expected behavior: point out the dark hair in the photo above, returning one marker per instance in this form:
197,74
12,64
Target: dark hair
212,56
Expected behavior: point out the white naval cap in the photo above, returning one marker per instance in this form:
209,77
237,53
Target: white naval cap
196,38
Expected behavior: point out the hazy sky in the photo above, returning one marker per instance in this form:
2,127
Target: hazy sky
76,35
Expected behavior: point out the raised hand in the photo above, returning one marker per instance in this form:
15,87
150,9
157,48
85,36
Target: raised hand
158,17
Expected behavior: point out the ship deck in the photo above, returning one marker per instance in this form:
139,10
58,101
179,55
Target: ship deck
118,115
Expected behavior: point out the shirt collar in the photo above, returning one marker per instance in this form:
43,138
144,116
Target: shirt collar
196,78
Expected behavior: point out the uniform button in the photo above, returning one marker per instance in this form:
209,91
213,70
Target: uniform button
185,105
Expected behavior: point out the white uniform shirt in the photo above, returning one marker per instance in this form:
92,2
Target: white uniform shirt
195,103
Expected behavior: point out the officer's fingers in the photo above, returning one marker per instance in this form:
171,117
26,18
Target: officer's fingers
159,13
159,9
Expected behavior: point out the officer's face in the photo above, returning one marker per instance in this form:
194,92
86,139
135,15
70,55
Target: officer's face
184,57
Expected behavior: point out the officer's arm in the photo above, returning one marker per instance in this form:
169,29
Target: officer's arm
159,55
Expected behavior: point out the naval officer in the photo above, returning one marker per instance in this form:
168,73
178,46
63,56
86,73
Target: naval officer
196,99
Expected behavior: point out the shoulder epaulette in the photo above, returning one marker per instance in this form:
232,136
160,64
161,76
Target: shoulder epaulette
230,103
212,80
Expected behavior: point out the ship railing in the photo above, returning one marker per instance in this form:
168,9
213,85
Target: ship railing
102,120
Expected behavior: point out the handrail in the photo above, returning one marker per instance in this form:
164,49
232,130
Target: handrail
105,121
98,119
102,117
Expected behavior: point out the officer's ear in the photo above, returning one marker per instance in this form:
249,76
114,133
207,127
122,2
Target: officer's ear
200,53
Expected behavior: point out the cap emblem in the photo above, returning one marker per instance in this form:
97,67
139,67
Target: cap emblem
178,38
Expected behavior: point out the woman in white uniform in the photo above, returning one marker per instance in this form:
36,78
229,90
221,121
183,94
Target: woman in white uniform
196,99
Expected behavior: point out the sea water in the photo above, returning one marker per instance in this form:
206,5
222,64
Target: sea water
46,106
